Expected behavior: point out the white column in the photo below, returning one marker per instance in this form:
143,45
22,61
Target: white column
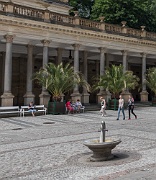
59,55
125,93
29,96
102,71
107,66
76,95
7,97
144,93
85,94
124,54
45,96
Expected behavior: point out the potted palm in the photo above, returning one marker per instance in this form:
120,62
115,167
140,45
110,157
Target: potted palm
59,79
116,81
151,82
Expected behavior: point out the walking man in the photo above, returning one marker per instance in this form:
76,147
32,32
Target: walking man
121,107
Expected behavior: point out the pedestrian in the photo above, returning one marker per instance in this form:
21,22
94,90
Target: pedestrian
131,107
103,106
121,107
78,105
31,108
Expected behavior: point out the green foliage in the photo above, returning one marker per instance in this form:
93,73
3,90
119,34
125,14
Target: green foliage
135,12
116,81
151,79
58,79
83,6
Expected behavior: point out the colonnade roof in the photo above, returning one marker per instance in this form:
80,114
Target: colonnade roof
31,25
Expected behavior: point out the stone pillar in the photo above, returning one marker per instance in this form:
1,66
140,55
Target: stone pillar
7,97
45,96
85,94
29,96
124,54
76,95
59,60
102,92
59,55
144,93
125,93
107,66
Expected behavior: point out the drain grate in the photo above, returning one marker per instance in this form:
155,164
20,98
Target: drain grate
15,129
48,123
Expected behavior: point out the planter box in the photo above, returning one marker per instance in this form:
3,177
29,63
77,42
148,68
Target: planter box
154,101
56,108
113,104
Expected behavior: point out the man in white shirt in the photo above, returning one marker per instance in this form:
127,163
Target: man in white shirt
121,107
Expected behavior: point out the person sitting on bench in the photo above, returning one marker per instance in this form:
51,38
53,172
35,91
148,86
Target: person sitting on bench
31,108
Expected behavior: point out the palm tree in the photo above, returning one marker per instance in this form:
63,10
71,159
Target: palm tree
151,79
59,80
115,80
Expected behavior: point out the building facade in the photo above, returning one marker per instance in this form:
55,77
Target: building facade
36,32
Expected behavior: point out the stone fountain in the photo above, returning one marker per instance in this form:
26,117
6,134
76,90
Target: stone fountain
102,147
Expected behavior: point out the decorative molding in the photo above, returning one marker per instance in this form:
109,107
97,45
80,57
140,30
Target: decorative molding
71,31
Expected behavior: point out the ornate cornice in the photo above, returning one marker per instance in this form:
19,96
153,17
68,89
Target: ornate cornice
75,31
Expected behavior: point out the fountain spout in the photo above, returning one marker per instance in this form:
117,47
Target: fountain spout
103,131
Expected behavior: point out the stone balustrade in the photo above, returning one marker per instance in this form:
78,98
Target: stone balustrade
61,18
26,11
48,16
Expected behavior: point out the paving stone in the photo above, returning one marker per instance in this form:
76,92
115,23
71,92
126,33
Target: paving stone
32,150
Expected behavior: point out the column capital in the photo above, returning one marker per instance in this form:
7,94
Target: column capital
76,46
124,52
59,49
102,49
30,46
9,38
143,54
45,42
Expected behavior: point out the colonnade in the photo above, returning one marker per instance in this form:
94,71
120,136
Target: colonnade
7,96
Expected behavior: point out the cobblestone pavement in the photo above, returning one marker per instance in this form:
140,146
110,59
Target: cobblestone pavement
30,149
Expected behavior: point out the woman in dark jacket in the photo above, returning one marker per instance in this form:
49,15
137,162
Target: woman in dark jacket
131,107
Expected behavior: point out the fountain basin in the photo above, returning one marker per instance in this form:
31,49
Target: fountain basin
102,151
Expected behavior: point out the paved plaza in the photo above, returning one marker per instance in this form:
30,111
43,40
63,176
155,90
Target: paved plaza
33,149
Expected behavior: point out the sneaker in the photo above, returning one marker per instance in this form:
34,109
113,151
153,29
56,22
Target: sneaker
123,118
102,115
129,119
117,119
135,117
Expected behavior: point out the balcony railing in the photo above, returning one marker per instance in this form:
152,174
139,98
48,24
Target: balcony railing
56,18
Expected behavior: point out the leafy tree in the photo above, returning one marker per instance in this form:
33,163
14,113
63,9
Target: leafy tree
151,79
116,81
58,79
83,6
136,12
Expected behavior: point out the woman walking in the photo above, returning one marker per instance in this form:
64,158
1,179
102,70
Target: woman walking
131,107
121,107
103,106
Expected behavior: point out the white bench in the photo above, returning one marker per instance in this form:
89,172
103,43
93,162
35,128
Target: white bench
81,110
10,110
39,108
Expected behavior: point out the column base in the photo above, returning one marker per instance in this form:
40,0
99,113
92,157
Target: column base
125,96
101,94
75,96
7,99
85,98
44,98
144,96
29,97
